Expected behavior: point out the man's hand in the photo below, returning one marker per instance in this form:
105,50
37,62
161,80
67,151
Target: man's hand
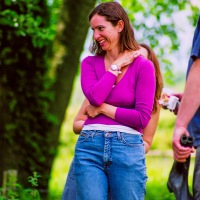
180,153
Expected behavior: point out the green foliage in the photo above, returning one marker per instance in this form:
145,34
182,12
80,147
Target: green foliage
14,191
25,36
34,193
34,179
25,23
154,24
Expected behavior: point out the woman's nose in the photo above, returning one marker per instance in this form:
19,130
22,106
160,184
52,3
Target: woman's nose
96,35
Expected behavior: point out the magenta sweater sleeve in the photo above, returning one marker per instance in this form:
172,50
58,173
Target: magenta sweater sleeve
139,116
95,90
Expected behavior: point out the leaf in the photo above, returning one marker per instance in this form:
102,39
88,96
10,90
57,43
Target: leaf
8,2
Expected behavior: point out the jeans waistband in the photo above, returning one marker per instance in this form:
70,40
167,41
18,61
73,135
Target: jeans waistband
110,128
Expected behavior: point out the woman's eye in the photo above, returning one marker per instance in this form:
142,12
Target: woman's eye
101,28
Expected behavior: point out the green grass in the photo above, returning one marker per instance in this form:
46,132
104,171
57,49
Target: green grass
158,169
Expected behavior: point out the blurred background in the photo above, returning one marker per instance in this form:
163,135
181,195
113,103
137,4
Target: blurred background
41,45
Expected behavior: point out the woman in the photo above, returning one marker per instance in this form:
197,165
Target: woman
109,153
70,191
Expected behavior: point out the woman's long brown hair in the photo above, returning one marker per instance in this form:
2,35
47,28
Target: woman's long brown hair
159,79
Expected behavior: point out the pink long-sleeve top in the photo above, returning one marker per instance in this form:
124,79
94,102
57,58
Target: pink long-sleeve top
133,95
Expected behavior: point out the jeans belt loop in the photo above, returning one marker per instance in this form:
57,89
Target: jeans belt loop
92,134
119,137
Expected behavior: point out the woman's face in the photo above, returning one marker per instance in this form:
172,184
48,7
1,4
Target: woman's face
105,33
143,52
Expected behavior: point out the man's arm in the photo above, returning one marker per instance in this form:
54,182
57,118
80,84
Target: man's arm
189,105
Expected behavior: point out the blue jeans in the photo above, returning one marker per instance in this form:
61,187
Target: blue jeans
114,160
70,191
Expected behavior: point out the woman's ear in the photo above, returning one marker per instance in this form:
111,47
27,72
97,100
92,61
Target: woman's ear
120,25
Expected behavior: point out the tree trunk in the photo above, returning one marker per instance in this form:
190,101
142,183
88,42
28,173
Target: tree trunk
72,32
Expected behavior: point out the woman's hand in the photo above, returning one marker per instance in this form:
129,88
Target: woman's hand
126,58
92,111
165,99
147,147
178,95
